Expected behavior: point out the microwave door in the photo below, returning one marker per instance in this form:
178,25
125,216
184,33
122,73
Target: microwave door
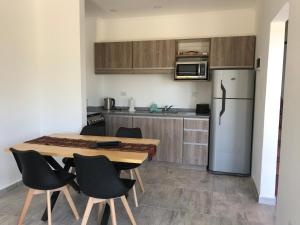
187,70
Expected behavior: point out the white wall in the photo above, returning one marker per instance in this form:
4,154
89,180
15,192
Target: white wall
208,24
59,58
19,111
266,120
94,83
162,89
289,182
40,74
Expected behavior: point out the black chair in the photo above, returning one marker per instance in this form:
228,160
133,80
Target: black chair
97,129
99,180
40,178
133,168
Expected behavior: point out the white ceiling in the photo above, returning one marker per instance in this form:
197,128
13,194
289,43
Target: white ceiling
136,8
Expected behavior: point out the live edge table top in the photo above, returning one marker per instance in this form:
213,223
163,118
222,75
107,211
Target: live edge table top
114,155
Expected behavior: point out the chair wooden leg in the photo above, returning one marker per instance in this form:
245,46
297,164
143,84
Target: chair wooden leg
134,190
27,202
128,210
113,212
71,202
49,207
87,212
138,176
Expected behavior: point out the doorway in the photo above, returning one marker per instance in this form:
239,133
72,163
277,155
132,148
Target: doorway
274,105
281,107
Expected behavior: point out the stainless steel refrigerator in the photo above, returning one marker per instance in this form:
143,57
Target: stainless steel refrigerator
232,121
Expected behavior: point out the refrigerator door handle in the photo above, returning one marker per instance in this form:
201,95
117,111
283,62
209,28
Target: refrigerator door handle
223,102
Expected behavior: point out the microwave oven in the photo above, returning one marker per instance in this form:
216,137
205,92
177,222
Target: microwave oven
197,70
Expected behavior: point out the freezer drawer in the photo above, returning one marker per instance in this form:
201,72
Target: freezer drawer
231,137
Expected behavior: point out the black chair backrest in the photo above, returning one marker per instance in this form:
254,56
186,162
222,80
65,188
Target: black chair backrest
36,172
93,130
17,161
129,132
98,178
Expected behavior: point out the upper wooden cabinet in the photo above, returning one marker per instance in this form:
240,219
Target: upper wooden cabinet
135,57
158,56
232,52
154,55
113,57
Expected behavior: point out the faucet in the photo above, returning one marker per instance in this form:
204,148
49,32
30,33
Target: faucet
167,108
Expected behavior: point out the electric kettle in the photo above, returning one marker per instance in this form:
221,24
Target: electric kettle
109,103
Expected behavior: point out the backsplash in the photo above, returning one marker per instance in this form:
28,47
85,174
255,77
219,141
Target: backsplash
148,89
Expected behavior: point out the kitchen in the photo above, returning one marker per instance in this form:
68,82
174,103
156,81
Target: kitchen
128,68
184,132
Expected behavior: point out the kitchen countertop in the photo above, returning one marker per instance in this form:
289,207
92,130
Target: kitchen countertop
142,111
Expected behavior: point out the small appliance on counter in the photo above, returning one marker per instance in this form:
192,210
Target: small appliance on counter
131,105
202,109
109,103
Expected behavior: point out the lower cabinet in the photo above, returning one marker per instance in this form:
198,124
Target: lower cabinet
196,138
182,140
114,122
195,154
170,132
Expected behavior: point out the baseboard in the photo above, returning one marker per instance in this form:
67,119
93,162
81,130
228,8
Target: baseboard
10,187
267,201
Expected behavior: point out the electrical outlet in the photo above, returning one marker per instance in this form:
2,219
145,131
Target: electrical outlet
123,93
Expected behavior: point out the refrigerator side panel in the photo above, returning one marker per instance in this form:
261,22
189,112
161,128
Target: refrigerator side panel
231,137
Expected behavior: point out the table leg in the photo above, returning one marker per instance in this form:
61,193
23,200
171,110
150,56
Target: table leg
55,195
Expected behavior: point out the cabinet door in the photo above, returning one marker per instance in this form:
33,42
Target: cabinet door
196,136
113,57
114,122
170,133
154,54
232,52
195,155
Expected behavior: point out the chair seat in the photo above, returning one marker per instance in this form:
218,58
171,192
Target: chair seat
125,166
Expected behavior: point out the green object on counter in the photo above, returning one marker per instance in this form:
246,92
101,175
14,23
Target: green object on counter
154,108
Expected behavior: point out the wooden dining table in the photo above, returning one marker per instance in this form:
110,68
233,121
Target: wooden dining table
49,151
